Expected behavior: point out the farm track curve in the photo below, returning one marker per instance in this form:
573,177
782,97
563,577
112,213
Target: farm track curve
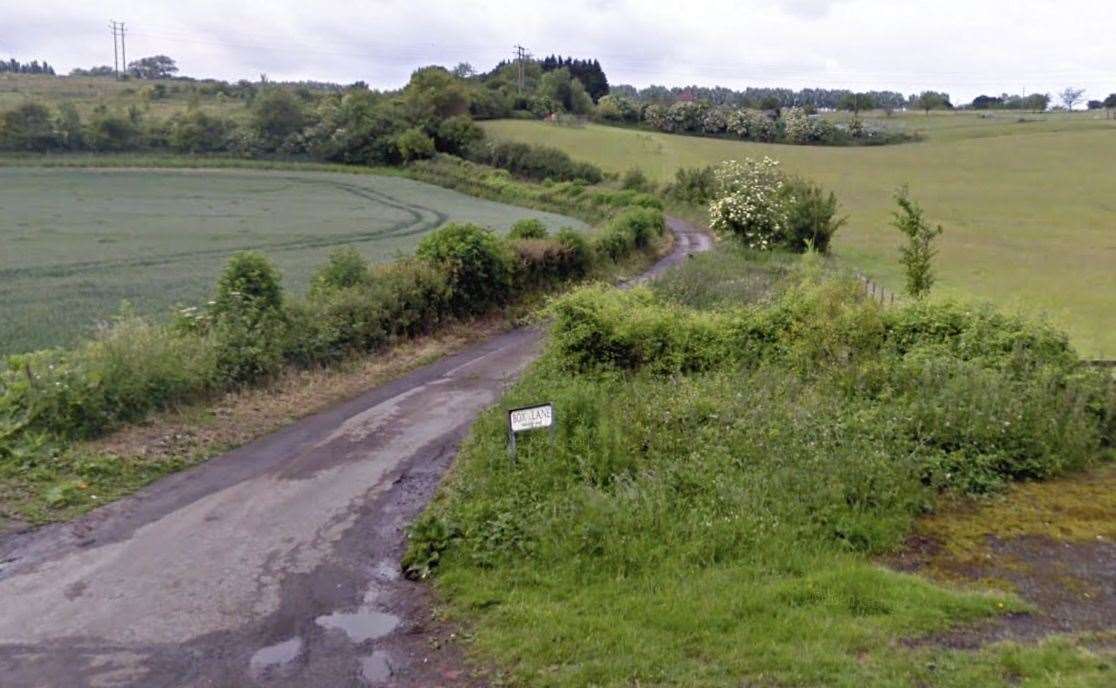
421,219
275,564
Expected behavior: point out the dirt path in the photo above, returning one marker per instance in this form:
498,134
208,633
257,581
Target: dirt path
275,564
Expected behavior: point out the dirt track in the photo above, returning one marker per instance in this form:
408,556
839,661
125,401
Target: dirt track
275,564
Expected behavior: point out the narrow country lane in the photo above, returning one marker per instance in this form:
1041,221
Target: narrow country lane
275,564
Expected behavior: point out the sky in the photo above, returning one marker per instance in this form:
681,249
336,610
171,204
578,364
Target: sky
963,47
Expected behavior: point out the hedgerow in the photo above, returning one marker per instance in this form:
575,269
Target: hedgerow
252,330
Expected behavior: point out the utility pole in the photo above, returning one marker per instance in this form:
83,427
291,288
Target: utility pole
115,53
123,50
521,56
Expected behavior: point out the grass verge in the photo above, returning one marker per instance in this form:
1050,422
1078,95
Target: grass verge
723,477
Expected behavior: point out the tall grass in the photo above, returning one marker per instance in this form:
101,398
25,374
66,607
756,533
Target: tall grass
719,478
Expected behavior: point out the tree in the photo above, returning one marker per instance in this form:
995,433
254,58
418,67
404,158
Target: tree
918,255
565,92
855,102
1037,102
987,103
154,67
276,114
464,70
1095,104
1110,103
932,100
1071,96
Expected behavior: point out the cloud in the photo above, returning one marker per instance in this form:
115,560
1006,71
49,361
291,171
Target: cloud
959,46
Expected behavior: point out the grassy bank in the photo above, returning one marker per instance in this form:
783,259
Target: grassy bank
1024,203
722,477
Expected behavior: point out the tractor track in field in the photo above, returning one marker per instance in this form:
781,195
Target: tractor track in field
276,564
421,219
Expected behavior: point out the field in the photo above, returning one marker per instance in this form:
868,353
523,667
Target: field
86,93
1027,206
76,243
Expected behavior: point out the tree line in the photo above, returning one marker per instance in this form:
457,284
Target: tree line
14,66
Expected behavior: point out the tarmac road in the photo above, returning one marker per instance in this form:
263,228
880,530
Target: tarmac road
275,564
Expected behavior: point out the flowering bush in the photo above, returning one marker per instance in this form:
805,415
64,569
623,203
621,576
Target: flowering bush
750,205
685,116
752,125
715,121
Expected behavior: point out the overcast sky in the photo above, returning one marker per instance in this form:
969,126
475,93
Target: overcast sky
965,47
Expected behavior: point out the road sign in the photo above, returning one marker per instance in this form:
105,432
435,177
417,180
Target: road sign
527,418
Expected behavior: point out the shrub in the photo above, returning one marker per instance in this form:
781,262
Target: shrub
581,253
528,228
543,262
750,205
477,262
345,268
414,144
534,162
277,113
811,216
635,180
751,125
918,255
109,132
249,283
197,132
28,127
695,185
456,134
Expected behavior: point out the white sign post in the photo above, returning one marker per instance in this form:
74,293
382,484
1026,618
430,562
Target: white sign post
527,418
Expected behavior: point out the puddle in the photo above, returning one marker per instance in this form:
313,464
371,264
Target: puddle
272,655
376,668
361,625
388,570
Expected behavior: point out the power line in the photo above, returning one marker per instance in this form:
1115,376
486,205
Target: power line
115,50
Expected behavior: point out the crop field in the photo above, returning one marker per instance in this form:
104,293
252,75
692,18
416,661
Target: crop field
1026,201
76,243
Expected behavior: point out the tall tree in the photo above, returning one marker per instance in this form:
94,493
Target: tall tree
154,67
1071,96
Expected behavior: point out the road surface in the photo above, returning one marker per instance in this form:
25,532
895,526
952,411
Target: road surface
275,564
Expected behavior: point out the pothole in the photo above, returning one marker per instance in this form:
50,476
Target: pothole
275,655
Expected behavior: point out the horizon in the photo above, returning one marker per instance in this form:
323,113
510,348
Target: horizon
960,50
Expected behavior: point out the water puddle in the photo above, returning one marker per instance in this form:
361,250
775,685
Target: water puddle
388,570
376,668
362,625
274,655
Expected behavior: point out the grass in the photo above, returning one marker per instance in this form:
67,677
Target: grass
77,242
87,93
714,525
1027,206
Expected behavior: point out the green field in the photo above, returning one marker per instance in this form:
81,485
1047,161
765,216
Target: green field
76,243
1028,206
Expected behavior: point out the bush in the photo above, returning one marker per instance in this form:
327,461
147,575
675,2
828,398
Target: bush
581,253
345,268
534,162
197,132
109,132
456,134
695,185
28,127
277,114
477,262
811,216
414,144
249,283
749,203
635,180
528,228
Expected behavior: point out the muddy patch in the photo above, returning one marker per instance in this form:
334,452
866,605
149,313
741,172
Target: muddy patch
1053,544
